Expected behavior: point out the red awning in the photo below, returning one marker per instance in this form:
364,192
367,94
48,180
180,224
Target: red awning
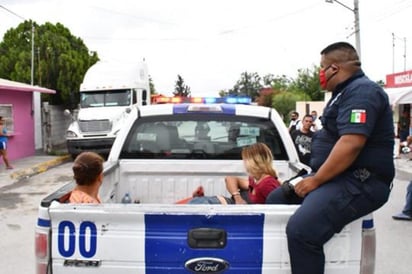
17,86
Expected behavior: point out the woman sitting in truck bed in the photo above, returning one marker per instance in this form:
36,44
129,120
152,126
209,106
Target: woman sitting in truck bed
88,174
258,160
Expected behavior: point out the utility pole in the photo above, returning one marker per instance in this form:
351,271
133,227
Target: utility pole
394,37
357,27
36,99
355,11
32,42
393,52
404,54
32,55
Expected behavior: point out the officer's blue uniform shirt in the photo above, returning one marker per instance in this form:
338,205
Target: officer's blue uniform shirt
358,106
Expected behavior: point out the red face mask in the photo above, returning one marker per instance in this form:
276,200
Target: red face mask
322,77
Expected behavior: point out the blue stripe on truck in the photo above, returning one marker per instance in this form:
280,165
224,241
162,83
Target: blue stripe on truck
229,109
367,224
43,222
167,249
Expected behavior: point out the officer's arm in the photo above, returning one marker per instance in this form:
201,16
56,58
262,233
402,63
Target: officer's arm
343,154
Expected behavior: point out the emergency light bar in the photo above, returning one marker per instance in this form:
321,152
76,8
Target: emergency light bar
202,100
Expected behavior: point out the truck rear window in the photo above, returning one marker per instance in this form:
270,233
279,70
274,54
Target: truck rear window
199,136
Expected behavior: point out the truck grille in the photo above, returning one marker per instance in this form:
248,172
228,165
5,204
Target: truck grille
95,126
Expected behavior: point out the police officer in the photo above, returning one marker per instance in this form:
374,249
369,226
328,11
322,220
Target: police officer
352,160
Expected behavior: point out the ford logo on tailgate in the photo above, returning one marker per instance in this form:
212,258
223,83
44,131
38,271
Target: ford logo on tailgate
206,265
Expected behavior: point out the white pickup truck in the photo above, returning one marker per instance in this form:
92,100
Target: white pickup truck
160,156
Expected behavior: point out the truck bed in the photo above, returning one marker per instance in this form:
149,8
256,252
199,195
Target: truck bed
160,182
158,236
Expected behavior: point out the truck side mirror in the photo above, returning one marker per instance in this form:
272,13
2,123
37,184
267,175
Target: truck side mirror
134,96
144,97
67,112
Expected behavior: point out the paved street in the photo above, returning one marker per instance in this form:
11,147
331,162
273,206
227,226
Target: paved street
393,255
18,214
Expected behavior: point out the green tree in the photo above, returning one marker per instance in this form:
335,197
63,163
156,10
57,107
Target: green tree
277,83
284,102
264,90
60,62
249,84
307,82
152,86
265,97
381,83
181,89
223,93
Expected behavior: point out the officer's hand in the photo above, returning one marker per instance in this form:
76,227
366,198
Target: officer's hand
305,186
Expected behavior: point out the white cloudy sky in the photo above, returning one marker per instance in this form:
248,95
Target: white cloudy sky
210,43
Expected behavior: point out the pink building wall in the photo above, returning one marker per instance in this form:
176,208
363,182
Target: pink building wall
21,144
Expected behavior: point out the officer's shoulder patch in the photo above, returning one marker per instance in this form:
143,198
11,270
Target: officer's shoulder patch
358,116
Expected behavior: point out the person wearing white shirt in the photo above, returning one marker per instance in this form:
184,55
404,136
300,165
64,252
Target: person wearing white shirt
317,124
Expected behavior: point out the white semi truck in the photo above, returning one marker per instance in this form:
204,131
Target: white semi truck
107,93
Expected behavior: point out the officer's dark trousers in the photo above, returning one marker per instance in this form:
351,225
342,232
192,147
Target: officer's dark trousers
324,212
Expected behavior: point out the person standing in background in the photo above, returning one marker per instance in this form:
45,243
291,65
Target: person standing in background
302,138
406,214
317,124
294,121
3,143
403,127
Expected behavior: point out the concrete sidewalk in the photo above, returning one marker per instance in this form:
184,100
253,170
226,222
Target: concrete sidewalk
30,166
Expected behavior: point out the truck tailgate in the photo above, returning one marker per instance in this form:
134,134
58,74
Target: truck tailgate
152,238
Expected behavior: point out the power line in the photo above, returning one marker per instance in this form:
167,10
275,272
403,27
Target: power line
257,24
394,9
32,43
144,18
12,12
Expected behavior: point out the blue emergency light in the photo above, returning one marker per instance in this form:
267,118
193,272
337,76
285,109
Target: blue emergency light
203,100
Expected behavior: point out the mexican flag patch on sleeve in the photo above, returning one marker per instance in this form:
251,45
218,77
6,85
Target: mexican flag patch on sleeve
358,116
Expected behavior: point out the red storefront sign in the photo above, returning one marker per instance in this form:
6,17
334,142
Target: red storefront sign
400,79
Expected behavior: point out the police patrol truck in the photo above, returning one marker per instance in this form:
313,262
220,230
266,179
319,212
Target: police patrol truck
157,160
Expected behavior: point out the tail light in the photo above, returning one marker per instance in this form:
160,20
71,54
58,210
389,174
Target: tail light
41,252
368,252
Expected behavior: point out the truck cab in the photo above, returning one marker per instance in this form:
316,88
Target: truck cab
107,94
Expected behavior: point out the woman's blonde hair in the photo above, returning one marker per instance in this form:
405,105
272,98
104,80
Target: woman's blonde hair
258,159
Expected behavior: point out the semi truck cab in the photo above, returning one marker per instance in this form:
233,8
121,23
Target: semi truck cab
106,96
